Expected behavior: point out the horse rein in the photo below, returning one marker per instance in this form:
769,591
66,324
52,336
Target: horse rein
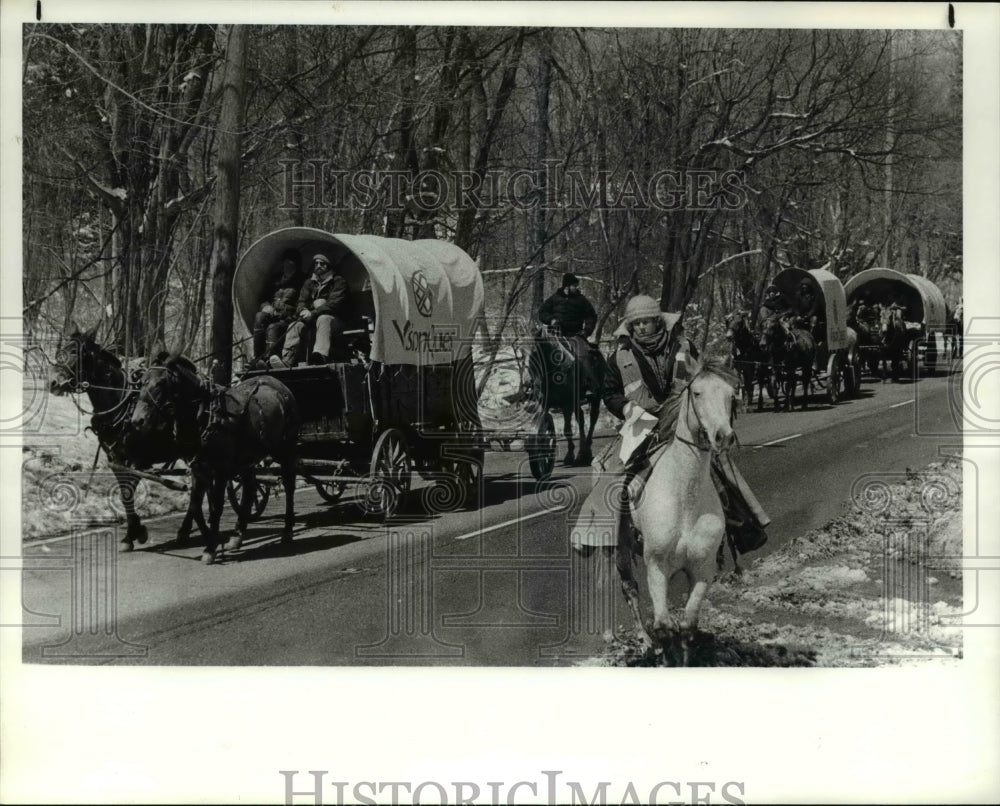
701,425
78,387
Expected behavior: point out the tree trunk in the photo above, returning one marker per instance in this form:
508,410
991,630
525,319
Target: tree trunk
227,204
890,140
540,134
292,151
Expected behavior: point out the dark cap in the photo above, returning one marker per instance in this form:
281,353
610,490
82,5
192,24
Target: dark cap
570,279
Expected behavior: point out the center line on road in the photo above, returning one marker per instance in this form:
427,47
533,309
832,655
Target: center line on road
776,441
897,405
496,526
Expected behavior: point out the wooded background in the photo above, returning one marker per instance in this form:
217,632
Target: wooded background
848,144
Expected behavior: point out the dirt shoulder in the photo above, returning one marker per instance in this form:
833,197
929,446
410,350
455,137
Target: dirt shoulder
879,586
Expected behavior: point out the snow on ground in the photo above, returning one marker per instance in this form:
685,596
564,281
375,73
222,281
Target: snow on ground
880,586
61,487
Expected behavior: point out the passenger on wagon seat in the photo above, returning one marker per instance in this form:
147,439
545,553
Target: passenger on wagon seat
773,304
278,309
646,374
321,312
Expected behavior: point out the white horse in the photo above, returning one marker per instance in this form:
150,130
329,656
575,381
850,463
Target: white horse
679,513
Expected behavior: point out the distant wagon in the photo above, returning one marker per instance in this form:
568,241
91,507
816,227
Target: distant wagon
923,306
405,401
817,292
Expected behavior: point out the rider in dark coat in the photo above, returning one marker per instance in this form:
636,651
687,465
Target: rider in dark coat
570,315
569,310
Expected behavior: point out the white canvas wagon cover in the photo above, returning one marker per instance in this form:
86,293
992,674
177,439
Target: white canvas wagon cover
826,287
425,296
922,300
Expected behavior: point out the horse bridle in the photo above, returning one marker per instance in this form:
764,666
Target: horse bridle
80,387
165,406
162,405
701,425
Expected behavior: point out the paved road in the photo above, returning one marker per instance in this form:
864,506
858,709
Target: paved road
497,586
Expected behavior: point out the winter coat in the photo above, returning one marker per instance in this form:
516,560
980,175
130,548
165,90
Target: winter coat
570,311
333,291
652,391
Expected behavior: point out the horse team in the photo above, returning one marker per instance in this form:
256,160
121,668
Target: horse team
781,353
173,413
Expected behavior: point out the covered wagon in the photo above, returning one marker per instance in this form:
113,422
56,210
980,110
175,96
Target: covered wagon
922,303
405,400
817,297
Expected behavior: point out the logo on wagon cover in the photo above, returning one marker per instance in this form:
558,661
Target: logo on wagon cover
422,293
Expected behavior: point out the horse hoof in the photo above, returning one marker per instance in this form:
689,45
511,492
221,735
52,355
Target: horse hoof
208,557
569,461
183,535
125,546
234,543
286,538
142,535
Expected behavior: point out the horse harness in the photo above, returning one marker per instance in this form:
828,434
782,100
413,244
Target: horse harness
109,424
220,416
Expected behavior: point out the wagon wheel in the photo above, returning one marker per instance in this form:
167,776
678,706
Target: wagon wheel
833,377
261,494
330,491
542,448
468,467
389,475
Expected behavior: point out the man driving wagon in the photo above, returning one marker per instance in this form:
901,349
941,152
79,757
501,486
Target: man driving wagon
322,316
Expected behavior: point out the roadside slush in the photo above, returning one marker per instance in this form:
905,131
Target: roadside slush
879,586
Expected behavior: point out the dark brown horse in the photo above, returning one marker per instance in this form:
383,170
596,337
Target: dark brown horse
749,360
565,374
83,365
865,319
894,342
234,429
791,352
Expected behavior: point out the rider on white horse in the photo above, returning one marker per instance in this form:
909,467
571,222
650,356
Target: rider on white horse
646,372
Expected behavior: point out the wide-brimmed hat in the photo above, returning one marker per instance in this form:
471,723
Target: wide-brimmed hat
570,279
